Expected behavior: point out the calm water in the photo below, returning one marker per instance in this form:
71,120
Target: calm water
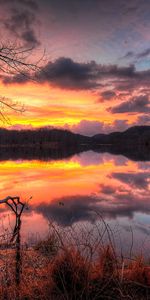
72,191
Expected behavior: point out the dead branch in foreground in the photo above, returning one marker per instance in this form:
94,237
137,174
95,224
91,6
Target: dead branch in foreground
17,207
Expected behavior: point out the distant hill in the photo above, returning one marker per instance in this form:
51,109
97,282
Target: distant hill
47,144
134,135
41,138
133,143
44,136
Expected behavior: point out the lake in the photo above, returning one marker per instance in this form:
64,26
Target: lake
80,190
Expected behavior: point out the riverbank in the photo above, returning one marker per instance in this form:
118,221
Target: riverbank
54,269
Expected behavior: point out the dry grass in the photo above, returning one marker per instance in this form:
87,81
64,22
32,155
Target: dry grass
49,247
70,275
73,266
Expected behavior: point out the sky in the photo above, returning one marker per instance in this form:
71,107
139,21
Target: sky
94,64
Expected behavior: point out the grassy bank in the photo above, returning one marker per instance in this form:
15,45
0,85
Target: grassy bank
72,265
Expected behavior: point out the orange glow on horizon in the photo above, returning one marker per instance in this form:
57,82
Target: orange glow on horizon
45,105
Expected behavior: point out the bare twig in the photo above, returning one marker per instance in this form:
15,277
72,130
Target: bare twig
15,61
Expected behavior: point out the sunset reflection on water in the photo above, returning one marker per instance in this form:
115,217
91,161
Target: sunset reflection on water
87,183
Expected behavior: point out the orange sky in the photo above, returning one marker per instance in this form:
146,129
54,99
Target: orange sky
95,68
46,105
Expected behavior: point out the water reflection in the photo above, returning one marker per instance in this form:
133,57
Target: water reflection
77,189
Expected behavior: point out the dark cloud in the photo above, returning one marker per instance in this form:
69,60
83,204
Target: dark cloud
139,180
140,55
66,73
28,3
21,78
108,94
19,20
30,37
18,78
127,85
106,71
22,20
69,74
137,104
107,189
143,54
128,55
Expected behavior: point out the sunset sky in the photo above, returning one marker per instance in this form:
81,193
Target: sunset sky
95,73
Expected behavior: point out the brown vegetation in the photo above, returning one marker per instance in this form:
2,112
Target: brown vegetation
71,266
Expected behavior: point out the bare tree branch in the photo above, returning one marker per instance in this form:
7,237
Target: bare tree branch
17,207
15,60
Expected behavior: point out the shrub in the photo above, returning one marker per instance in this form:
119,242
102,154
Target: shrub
70,274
